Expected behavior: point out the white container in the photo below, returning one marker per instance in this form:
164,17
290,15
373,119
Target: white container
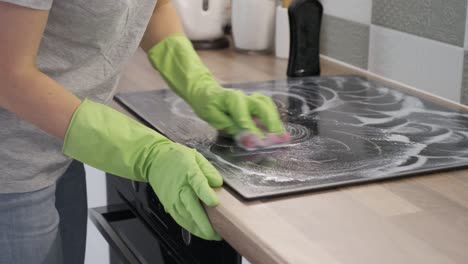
227,12
202,19
282,33
253,24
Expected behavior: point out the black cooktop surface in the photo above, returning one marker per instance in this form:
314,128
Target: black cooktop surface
345,130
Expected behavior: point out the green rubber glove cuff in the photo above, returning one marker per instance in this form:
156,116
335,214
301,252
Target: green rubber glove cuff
108,140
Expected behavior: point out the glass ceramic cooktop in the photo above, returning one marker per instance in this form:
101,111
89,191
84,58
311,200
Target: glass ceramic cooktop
344,129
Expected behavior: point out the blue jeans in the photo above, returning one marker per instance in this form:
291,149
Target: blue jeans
46,226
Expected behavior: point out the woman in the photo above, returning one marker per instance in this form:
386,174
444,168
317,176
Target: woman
54,55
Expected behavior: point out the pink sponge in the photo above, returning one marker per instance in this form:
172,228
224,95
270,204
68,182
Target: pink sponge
250,141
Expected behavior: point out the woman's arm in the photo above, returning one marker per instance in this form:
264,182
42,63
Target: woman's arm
164,22
24,89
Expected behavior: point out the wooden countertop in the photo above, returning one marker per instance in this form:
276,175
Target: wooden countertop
414,220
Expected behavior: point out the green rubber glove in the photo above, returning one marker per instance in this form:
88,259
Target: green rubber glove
108,140
227,110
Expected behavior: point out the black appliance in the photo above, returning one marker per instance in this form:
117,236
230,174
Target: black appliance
344,129
139,231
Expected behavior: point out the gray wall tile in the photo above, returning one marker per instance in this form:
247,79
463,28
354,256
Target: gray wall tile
345,40
464,92
442,20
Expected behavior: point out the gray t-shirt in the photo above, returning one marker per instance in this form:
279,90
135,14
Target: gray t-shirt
84,46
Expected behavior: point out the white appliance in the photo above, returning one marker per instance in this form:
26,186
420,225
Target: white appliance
202,19
282,33
253,24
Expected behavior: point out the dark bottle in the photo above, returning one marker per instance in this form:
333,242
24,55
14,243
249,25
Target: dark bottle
305,19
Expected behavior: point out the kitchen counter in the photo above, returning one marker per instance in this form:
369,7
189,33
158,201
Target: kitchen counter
414,220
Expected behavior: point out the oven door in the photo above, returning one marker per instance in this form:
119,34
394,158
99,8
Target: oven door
140,231
129,238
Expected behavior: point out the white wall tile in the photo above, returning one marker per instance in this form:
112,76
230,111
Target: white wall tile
355,10
97,249
426,64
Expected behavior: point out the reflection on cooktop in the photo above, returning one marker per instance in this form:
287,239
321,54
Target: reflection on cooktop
344,129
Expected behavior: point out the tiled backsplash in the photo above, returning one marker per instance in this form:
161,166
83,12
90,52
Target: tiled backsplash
418,42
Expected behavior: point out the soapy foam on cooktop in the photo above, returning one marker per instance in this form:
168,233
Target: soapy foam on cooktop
342,129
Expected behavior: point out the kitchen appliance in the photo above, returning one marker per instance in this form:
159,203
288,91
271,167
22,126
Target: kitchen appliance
253,23
282,33
139,231
305,19
345,130
203,22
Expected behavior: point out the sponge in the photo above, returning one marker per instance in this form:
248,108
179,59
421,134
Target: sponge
250,141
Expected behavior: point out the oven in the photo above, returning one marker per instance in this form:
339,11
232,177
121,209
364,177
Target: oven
138,230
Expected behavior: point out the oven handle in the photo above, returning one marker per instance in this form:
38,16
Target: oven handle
101,217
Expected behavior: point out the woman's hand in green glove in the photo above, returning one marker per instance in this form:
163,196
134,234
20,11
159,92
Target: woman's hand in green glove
180,176
231,111
108,140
